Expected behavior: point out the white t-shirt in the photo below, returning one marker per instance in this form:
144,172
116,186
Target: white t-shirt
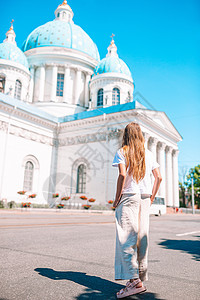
131,186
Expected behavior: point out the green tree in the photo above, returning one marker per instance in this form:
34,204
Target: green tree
194,173
182,194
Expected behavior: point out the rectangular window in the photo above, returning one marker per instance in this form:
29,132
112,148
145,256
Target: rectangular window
60,85
18,89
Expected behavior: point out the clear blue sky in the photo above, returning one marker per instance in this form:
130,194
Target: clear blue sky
159,40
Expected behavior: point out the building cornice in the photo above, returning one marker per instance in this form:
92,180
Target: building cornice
19,112
102,79
99,119
14,67
61,54
27,134
89,138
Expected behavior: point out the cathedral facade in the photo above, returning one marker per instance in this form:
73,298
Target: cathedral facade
62,114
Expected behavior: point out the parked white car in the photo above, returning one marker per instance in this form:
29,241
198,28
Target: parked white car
158,207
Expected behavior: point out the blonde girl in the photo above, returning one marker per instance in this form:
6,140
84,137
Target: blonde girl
134,195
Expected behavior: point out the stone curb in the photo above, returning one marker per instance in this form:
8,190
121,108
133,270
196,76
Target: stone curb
62,211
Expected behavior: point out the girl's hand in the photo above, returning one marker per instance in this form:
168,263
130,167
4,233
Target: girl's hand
152,199
115,204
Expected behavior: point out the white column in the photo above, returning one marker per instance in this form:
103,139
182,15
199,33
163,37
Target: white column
53,83
41,83
169,177
87,80
77,87
66,84
161,161
153,145
31,86
107,97
175,178
146,137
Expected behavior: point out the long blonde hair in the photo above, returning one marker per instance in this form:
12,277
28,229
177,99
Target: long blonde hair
133,148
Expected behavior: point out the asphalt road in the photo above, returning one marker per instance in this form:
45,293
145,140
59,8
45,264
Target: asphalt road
56,256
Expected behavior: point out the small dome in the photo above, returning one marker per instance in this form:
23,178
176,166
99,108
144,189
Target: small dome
10,51
112,63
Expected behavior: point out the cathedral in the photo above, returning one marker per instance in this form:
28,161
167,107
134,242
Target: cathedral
62,115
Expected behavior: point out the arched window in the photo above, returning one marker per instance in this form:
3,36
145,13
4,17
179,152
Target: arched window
81,179
18,89
28,176
2,84
115,96
100,97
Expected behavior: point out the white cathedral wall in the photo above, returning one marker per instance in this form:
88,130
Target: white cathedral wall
101,176
17,151
69,158
21,145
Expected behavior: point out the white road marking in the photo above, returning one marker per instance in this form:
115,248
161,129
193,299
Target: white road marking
187,233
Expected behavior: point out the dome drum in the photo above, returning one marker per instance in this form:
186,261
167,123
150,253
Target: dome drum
14,74
109,84
60,55
61,85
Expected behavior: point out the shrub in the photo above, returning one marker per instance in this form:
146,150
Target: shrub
11,204
86,206
65,198
83,197
60,205
2,204
92,200
56,195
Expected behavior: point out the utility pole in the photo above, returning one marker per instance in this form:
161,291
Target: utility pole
193,211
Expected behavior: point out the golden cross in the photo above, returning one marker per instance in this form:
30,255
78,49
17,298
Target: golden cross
12,22
112,36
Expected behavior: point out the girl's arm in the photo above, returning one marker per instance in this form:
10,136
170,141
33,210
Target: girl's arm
157,182
120,183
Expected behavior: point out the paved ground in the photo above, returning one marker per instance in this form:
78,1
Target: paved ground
56,256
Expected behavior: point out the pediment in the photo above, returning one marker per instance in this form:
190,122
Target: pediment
161,121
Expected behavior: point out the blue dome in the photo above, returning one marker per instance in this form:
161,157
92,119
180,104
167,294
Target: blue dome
59,33
11,52
112,64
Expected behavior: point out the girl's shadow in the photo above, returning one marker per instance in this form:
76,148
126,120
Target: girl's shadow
96,287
